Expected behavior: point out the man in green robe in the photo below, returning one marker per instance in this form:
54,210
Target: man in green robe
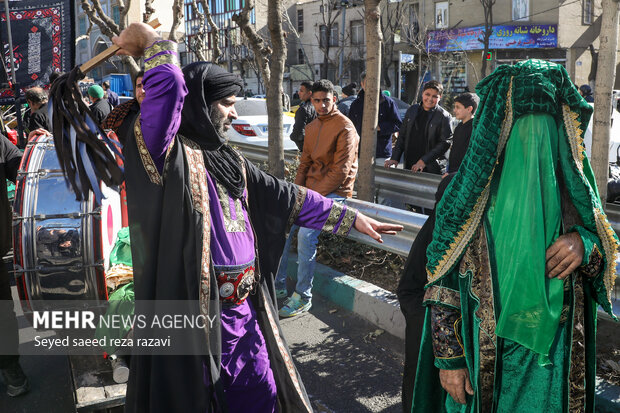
522,254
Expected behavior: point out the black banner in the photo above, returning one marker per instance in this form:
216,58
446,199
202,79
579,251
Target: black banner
42,42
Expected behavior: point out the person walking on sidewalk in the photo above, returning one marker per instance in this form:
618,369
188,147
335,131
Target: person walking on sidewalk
304,115
328,166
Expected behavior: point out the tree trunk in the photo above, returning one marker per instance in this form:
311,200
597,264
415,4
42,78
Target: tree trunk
605,76
488,30
274,88
366,174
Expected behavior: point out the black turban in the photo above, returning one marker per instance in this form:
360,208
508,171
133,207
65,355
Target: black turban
207,83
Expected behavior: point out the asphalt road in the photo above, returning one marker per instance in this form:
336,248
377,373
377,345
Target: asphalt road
346,364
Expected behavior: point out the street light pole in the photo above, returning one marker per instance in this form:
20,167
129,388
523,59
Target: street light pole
343,5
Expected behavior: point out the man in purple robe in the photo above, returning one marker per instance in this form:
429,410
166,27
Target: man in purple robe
198,211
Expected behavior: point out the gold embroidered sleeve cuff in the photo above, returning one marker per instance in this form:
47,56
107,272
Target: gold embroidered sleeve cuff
159,47
347,222
300,199
159,60
446,325
437,294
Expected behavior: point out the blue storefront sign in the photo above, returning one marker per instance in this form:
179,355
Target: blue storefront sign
524,36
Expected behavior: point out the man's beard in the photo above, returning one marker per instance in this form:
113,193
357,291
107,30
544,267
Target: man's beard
219,121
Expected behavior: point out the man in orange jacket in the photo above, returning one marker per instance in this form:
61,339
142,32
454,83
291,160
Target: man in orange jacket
328,166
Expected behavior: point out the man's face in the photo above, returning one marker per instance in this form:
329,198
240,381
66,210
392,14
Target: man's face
323,102
461,112
222,114
430,98
304,94
363,83
139,91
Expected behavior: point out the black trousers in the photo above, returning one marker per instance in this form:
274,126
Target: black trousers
9,338
413,336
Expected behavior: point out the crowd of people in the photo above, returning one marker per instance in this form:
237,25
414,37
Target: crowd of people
499,311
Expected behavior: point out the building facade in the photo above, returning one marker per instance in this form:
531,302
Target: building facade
448,48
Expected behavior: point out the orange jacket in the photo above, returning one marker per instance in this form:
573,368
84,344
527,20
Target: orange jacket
329,158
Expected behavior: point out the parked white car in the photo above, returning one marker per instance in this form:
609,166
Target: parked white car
251,124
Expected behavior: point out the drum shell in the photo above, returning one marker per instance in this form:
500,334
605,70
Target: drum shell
59,242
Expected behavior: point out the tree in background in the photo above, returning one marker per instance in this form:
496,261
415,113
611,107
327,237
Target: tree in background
270,60
605,77
108,27
366,173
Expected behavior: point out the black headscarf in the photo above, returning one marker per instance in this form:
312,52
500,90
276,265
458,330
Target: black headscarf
208,83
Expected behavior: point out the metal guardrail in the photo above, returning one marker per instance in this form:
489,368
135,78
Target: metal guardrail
403,186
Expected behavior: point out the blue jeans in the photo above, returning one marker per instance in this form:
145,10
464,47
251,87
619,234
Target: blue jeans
306,257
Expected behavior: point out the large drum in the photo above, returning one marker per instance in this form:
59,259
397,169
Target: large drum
61,246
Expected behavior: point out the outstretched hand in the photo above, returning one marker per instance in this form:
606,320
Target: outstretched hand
374,228
564,255
135,38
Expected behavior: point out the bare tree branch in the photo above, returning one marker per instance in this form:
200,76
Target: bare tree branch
124,7
108,21
257,44
100,19
177,17
86,35
148,11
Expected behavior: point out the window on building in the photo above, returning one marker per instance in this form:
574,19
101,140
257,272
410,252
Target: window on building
300,56
520,10
116,14
357,32
587,11
82,24
414,20
300,21
334,36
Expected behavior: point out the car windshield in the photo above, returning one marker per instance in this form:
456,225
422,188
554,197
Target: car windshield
251,107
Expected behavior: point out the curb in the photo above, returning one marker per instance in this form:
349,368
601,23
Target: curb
381,308
376,305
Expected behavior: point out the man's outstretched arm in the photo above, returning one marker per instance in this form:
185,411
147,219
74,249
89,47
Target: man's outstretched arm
163,84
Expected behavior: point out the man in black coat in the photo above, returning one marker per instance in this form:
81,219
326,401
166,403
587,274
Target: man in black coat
12,373
425,133
100,107
410,294
37,100
304,115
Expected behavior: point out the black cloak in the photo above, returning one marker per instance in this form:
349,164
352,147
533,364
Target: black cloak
170,238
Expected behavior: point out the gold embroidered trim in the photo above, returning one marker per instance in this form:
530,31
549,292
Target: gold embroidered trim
454,252
347,222
573,129
604,229
195,163
443,295
476,264
200,202
145,156
577,374
334,217
232,225
160,46
288,362
300,198
161,60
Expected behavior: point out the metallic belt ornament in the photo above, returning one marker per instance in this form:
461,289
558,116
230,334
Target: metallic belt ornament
236,286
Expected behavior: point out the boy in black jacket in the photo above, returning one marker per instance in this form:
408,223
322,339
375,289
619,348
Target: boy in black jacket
465,106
